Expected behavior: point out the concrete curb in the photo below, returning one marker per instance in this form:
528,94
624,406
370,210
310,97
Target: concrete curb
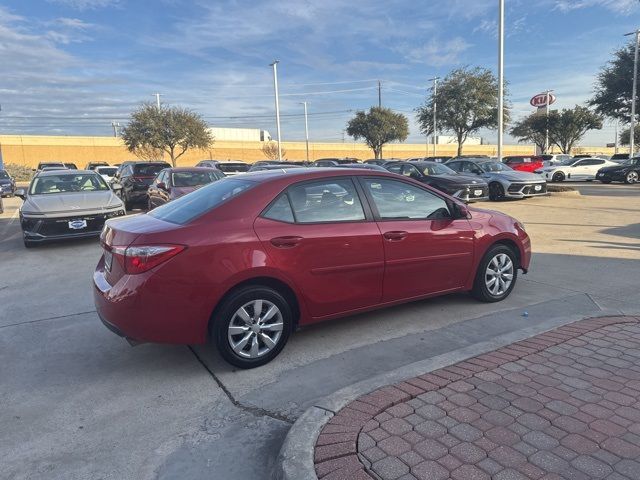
296,458
570,193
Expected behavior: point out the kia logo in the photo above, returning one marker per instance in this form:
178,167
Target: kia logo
540,100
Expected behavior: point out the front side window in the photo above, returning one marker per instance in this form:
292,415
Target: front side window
400,201
494,167
332,200
87,182
396,168
436,169
411,171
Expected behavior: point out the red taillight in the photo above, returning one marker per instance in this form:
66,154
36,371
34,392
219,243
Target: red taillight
138,259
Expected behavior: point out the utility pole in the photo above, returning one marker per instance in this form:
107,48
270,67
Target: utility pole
632,128
306,128
435,118
275,88
379,94
615,143
500,76
546,138
157,95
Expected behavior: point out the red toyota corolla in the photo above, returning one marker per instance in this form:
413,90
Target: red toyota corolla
250,258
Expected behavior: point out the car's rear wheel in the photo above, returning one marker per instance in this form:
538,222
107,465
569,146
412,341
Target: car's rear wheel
496,275
558,177
632,177
252,326
496,191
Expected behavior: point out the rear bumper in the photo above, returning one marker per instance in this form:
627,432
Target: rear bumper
139,308
611,177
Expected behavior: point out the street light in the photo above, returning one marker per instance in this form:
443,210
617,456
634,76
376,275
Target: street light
435,127
157,95
546,138
275,88
632,127
306,128
500,76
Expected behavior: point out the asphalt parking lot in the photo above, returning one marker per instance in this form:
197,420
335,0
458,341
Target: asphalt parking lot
79,402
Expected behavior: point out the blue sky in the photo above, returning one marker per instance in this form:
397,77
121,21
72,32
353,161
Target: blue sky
71,66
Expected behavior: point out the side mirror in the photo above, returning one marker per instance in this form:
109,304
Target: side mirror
161,186
115,186
20,193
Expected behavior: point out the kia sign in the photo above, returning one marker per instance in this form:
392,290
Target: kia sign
540,100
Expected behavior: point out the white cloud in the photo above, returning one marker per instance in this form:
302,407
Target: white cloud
86,4
618,6
438,54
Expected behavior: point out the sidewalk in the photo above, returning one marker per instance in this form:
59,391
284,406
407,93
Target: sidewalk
561,405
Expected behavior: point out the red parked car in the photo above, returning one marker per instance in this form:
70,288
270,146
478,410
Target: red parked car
248,259
524,163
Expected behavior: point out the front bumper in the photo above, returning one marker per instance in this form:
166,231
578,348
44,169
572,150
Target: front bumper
471,193
526,190
7,189
42,229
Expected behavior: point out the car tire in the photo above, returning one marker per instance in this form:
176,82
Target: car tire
496,191
228,326
631,177
484,289
558,177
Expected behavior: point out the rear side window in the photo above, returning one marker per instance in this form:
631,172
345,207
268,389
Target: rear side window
188,207
334,200
280,210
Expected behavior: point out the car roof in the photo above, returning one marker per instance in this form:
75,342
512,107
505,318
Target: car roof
54,173
302,174
191,169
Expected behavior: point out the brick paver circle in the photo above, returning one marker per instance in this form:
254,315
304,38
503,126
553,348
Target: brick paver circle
565,404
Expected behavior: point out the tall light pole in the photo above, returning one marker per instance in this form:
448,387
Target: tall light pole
306,128
546,134
435,118
157,95
275,88
500,76
632,127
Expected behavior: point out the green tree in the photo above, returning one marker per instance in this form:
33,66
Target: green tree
466,101
172,130
531,129
378,127
625,135
613,88
570,125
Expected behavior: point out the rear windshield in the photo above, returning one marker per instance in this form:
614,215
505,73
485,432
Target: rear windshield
188,207
149,170
109,171
233,167
193,179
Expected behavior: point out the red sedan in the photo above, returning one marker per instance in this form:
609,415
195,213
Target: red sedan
250,258
524,163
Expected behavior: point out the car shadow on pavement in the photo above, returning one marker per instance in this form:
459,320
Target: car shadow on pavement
629,231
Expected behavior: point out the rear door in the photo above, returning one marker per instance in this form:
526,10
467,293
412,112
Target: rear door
325,239
426,250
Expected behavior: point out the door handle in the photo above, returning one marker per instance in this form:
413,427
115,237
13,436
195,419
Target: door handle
395,236
285,242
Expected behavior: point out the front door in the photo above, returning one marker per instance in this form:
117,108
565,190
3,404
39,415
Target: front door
319,234
426,249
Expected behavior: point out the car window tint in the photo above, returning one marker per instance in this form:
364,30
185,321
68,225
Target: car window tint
148,170
455,166
395,168
399,200
188,207
280,210
411,171
333,200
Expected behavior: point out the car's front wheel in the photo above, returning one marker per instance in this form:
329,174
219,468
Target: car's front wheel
496,275
252,326
632,177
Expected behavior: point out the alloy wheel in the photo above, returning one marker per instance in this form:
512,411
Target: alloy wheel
255,328
499,274
632,177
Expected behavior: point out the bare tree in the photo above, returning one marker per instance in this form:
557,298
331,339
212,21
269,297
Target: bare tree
270,150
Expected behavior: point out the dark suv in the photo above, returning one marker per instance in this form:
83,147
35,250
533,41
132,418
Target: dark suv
7,184
132,182
465,187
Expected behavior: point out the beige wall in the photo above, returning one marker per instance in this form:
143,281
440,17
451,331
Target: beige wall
28,150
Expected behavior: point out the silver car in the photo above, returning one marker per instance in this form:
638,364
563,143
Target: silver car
61,204
504,182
